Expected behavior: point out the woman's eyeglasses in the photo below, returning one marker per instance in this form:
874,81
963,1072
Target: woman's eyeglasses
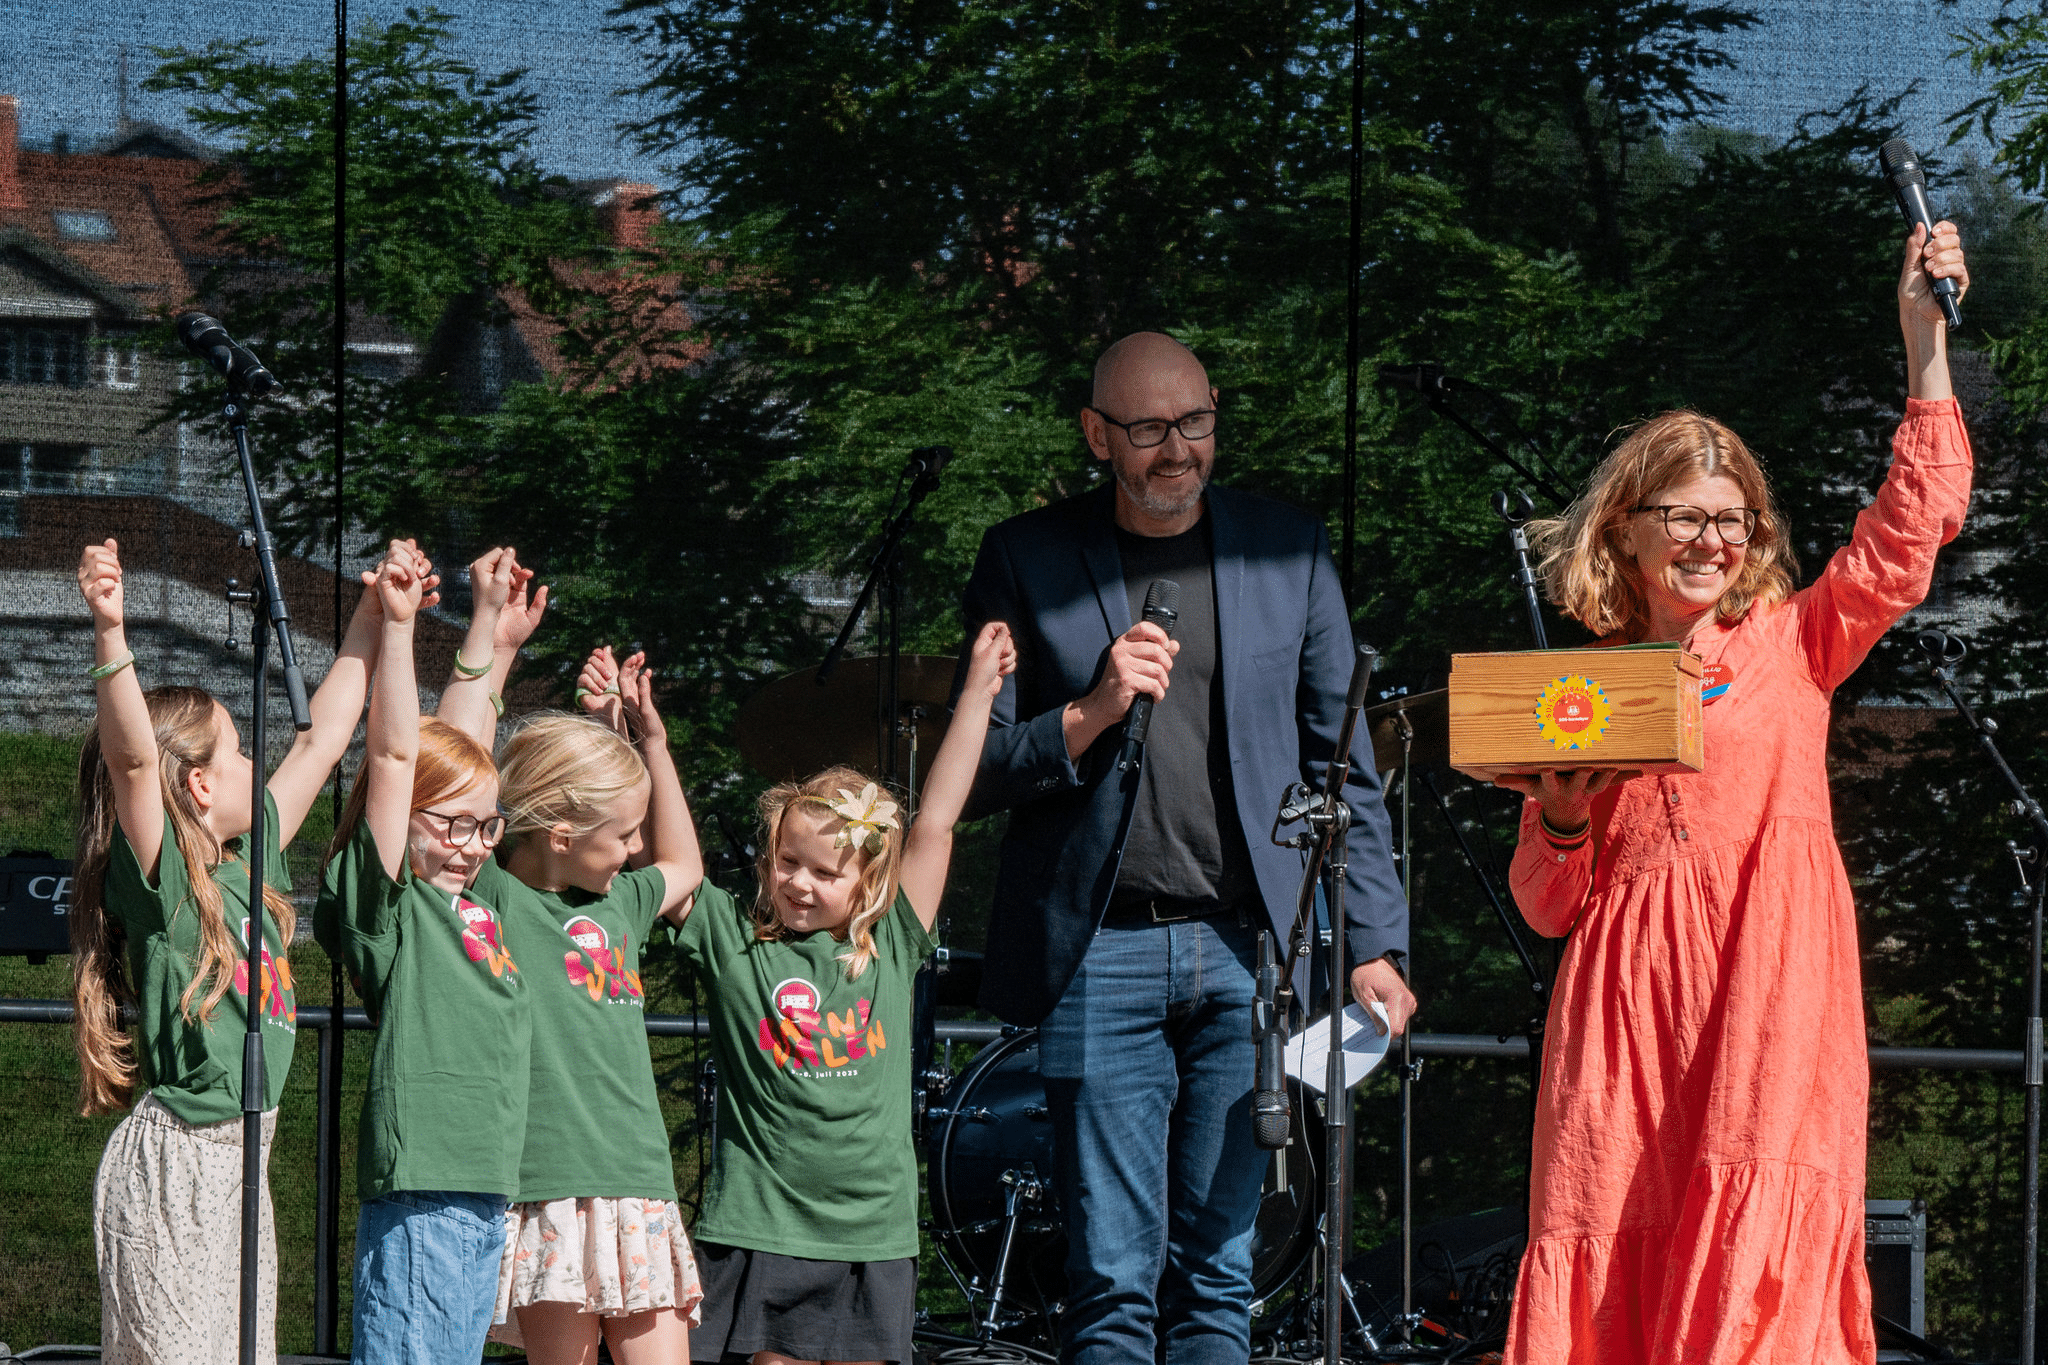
463,828
1686,524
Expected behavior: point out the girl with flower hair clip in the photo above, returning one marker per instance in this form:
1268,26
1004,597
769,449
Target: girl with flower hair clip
807,1244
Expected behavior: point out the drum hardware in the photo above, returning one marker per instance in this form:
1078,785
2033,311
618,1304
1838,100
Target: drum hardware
993,1237
1020,1187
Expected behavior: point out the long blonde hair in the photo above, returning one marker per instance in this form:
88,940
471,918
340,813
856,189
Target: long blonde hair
449,764
878,871
1586,572
559,769
182,720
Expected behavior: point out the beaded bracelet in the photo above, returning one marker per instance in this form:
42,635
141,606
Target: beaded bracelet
469,670
1560,838
101,672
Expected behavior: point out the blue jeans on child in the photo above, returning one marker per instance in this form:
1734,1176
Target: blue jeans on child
426,1277
1148,1075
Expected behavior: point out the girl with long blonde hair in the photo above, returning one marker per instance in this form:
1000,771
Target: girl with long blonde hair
160,915
808,1237
1699,1152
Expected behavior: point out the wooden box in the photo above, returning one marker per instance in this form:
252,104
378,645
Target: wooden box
1635,708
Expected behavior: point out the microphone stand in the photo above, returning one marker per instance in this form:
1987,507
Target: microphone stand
1434,386
886,567
1515,509
1945,652
266,599
1329,822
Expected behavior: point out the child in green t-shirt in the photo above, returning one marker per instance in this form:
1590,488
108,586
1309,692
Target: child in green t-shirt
595,1243
160,918
808,1239
444,1113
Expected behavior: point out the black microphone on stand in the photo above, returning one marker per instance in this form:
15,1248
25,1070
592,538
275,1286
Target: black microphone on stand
1272,1112
1160,600
206,338
1426,378
1909,182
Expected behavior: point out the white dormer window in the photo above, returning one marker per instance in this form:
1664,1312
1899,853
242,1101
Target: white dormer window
84,225
120,363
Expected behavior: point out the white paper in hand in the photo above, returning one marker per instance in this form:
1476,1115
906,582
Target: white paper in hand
1308,1052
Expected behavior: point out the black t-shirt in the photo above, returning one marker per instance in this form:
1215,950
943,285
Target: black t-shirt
1186,841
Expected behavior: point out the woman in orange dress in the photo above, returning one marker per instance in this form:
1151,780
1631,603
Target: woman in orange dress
1699,1153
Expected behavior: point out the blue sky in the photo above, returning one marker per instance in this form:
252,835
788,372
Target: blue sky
1809,53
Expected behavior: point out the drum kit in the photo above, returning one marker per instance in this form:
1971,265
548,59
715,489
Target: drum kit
986,1132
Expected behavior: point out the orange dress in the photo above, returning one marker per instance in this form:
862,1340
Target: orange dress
1699,1154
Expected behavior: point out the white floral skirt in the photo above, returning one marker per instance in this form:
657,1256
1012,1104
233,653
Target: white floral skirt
609,1256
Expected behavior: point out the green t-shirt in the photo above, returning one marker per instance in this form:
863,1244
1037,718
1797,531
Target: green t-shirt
195,1068
815,1157
446,1105
593,1122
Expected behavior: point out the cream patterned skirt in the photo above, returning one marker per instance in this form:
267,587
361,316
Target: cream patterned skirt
167,1227
610,1256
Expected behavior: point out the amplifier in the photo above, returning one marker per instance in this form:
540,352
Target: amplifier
35,905
1895,1251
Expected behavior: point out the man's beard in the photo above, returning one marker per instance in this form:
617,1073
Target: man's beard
1159,502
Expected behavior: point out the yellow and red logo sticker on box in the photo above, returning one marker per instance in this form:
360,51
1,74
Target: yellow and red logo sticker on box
1573,712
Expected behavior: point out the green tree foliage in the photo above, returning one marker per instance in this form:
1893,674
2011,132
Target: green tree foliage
442,205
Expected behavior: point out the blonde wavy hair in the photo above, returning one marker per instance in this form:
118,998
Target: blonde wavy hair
182,720
876,889
1588,575
559,769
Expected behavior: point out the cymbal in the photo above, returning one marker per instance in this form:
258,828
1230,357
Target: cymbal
793,727
1429,720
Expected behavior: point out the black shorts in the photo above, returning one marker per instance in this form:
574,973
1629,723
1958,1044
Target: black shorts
812,1310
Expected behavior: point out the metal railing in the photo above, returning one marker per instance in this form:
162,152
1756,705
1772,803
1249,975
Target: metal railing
320,1018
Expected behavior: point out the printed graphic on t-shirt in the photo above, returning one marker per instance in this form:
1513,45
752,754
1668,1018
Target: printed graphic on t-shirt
480,936
599,968
811,1041
277,1001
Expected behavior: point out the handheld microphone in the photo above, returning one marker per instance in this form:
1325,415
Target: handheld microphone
206,338
1160,600
1909,182
1272,1112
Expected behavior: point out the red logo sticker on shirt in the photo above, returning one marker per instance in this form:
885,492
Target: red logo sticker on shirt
1714,680
796,996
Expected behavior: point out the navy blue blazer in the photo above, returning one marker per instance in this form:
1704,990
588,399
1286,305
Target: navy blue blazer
1284,638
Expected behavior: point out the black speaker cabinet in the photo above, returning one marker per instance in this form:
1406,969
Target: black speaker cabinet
1895,1250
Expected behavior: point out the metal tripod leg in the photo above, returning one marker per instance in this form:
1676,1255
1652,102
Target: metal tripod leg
1019,1188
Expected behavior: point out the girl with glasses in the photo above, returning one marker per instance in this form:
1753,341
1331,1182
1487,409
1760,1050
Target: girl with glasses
437,1155
1699,1151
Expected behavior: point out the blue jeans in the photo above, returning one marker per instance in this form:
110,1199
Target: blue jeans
426,1277
1148,1074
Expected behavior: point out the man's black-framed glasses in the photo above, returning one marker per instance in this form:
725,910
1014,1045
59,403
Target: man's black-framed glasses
1686,524
463,828
1198,425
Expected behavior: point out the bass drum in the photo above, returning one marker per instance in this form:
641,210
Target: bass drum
994,1121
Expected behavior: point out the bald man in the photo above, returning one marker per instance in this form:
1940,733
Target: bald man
1134,959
